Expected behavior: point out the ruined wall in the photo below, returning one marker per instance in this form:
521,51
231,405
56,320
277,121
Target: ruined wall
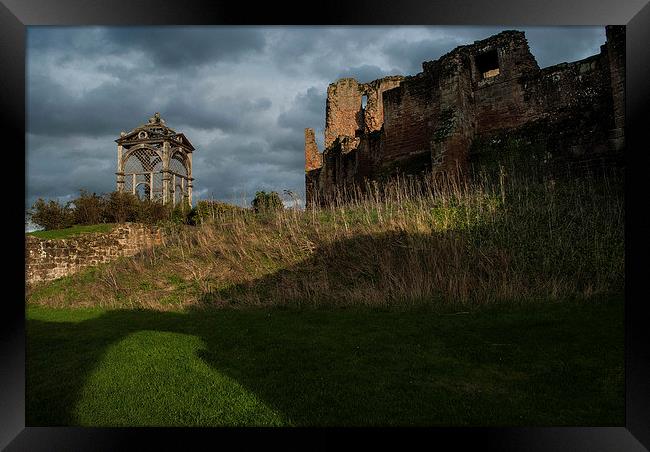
343,115
615,49
455,122
373,113
431,120
351,153
46,260
501,101
408,120
313,158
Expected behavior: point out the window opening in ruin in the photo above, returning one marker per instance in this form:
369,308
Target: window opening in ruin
364,101
487,64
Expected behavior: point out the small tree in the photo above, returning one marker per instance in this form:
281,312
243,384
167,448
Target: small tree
51,215
267,202
89,209
122,207
152,211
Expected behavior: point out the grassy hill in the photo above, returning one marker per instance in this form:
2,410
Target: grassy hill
513,239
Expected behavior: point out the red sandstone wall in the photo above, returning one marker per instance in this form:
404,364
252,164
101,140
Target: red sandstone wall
409,115
500,101
373,113
313,159
46,260
343,110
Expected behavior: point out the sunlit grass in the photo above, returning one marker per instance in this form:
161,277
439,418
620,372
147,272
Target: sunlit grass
72,231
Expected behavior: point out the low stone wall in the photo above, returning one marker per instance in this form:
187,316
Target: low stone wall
46,260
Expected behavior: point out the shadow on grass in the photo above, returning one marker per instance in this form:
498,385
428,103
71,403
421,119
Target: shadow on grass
558,364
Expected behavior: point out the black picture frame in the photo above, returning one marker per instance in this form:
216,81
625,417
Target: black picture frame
16,15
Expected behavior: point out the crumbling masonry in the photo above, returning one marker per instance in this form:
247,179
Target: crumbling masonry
429,121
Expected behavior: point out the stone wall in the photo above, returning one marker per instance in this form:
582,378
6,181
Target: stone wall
343,114
313,158
615,49
46,260
430,121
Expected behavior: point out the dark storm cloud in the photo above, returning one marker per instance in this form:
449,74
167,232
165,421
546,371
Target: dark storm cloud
306,108
61,166
567,43
226,113
105,109
242,95
167,46
171,47
409,55
549,45
367,73
109,107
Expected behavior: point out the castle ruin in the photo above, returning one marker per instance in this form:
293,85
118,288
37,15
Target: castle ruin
429,121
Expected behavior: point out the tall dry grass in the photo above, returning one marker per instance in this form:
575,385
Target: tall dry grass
433,240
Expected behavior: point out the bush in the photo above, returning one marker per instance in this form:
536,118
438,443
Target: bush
89,209
114,207
51,215
267,202
122,207
206,211
180,213
152,211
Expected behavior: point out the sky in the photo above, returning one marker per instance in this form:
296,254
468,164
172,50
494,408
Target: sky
242,95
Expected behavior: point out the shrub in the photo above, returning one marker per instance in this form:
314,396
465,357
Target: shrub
51,215
89,209
207,210
153,211
179,213
267,202
122,207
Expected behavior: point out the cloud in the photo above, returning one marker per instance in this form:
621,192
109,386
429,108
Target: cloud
169,47
306,108
567,43
367,72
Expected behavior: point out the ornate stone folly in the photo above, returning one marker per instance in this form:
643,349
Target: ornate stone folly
155,162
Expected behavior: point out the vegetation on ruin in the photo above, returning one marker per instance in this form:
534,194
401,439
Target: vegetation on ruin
526,364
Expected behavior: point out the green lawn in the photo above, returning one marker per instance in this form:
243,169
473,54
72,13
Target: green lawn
72,231
551,364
